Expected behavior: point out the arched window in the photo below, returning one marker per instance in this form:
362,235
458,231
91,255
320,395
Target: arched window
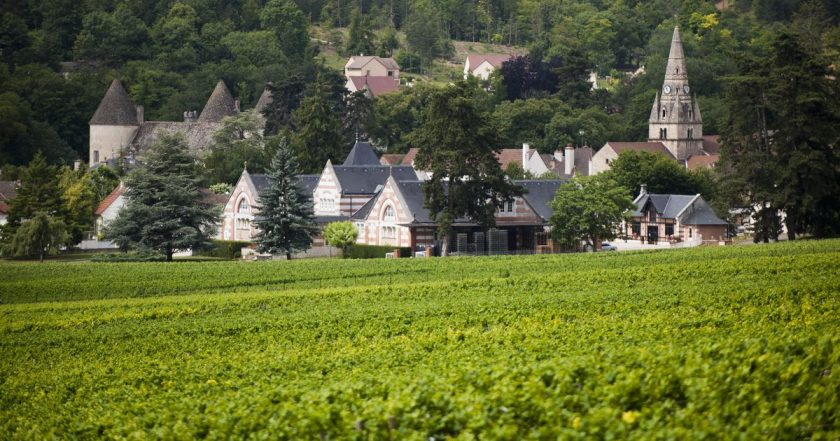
244,207
388,215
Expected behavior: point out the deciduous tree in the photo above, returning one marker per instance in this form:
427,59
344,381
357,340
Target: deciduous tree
341,235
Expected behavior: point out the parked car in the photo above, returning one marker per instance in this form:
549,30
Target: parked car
606,246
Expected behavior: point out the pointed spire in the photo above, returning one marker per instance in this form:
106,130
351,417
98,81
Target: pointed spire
676,71
219,105
361,154
264,101
116,108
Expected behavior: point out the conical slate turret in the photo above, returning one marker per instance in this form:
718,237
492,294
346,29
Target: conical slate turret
264,101
219,105
116,108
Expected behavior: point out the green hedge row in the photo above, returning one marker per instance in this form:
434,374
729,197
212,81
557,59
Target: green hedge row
225,249
373,251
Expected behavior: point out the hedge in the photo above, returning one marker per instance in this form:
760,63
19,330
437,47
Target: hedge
358,251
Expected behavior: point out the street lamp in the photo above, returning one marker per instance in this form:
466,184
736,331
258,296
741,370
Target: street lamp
581,132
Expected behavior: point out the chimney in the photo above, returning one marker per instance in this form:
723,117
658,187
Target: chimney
77,164
525,149
569,160
643,190
140,115
236,105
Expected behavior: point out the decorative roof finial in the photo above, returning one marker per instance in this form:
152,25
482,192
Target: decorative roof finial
245,165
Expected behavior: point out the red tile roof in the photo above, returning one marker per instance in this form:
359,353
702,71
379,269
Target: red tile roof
4,207
495,60
509,156
699,161
376,85
391,159
110,199
711,144
409,157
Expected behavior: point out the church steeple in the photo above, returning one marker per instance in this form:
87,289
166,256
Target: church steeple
675,116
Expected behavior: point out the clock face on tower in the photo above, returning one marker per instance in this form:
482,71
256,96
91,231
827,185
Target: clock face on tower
667,89
685,88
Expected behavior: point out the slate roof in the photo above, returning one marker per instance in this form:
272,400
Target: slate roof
711,144
210,198
412,192
358,62
375,84
264,101
539,195
307,183
8,190
653,147
495,60
199,135
361,154
110,199
116,108
693,209
219,105
363,179
362,213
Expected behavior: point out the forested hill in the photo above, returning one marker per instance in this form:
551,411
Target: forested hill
58,57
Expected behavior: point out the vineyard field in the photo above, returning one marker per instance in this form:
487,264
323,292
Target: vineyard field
706,343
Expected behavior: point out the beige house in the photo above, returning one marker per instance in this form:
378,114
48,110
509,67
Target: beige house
371,66
602,160
674,218
481,66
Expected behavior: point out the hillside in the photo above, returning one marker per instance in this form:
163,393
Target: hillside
677,344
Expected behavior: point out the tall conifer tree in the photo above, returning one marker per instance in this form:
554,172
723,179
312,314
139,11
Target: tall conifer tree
285,219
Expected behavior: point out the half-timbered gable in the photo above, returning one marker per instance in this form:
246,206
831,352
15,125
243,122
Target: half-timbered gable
674,217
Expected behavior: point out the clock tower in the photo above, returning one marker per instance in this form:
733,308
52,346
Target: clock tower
675,117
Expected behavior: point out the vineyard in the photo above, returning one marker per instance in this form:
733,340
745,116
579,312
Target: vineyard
706,343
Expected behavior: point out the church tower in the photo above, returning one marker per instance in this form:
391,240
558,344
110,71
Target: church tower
675,117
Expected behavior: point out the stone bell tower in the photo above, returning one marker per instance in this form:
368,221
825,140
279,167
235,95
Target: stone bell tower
675,117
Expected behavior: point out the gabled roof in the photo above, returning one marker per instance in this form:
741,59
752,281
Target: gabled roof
8,190
116,108
653,147
375,84
358,62
210,198
219,105
691,209
495,60
412,197
539,195
368,179
391,159
199,135
361,154
362,213
110,199
699,161
264,101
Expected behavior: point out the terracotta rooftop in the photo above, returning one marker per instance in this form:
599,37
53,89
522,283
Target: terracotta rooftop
495,60
700,161
110,199
376,85
711,144
391,159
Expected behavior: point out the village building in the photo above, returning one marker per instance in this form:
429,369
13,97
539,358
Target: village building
675,121
118,128
371,74
481,66
396,217
673,218
8,191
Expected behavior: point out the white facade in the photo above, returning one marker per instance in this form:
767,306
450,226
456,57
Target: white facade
106,142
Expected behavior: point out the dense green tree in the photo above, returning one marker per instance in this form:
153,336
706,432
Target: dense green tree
587,210
360,39
112,37
38,192
286,218
236,142
256,48
661,174
79,200
425,35
457,145
358,117
318,134
37,237
165,211
341,235
284,18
